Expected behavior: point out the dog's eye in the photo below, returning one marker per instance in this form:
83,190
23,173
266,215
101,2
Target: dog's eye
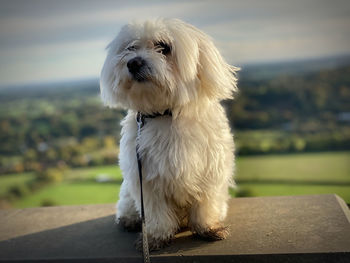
131,48
163,48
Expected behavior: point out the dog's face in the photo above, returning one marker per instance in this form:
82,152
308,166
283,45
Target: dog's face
163,64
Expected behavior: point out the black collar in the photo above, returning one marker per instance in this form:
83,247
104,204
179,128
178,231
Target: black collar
157,114
140,117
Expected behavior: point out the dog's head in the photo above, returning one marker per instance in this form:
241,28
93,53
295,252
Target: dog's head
163,64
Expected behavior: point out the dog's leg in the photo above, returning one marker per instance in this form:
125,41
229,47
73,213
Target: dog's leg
127,214
206,218
161,221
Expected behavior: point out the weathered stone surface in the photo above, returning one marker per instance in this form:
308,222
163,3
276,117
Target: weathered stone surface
267,229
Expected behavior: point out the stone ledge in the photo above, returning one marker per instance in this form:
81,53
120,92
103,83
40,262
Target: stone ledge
266,229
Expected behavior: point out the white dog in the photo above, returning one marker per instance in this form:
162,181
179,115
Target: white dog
168,66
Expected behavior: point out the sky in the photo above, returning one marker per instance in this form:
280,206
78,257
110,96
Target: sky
48,41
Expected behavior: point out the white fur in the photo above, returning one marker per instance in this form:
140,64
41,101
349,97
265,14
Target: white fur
188,158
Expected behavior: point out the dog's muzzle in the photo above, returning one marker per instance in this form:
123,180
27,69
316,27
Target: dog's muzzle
138,69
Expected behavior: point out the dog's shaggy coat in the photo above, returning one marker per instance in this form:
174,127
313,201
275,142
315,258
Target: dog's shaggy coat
187,158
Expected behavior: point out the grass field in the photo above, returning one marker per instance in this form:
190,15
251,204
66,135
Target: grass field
80,186
296,174
70,193
10,180
285,189
111,171
312,167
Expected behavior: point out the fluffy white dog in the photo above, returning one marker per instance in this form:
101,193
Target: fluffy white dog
164,66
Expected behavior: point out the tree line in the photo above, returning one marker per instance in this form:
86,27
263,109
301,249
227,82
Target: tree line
66,125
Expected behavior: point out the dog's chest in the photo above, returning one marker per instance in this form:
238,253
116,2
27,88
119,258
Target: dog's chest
173,154
155,145
162,148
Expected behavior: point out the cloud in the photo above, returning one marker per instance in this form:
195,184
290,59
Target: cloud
43,40
51,62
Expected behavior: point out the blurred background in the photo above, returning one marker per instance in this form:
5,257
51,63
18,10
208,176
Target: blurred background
291,118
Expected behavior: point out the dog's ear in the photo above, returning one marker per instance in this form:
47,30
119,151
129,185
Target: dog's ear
217,78
109,75
199,61
185,48
108,83
185,54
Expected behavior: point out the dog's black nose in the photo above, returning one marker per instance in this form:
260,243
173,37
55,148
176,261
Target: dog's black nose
135,64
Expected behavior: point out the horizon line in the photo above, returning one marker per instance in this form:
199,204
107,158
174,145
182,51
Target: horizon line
67,81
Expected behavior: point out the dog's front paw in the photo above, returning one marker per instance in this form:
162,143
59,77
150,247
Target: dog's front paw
214,233
130,225
153,243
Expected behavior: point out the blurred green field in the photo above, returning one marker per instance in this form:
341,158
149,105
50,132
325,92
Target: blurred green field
285,189
294,174
94,185
72,193
10,180
113,172
311,167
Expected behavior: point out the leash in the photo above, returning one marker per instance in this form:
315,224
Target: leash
140,120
